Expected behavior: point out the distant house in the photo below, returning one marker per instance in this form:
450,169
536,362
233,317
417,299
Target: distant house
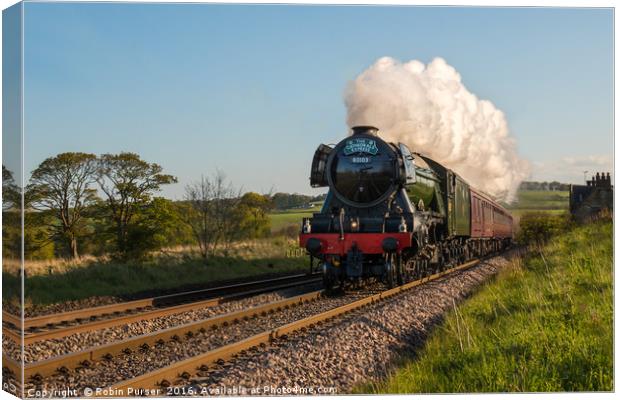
586,201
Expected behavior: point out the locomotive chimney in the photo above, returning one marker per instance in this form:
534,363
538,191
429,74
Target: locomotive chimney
368,130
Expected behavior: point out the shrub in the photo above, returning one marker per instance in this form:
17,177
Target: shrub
537,228
289,231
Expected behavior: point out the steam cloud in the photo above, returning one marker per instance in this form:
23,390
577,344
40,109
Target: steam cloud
430,110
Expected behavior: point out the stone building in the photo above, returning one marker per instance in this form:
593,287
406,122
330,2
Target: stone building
586,201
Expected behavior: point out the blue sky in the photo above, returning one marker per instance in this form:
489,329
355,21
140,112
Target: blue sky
252,90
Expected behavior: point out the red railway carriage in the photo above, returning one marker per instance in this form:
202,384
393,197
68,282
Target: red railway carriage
488,218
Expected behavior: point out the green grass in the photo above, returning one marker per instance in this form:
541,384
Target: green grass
113,278
544,324
282,219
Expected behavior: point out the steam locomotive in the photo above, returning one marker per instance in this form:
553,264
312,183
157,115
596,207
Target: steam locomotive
394,215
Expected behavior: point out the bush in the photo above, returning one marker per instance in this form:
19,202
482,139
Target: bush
537,228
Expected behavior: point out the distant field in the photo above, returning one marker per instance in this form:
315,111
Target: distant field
539,200
282,219
534,201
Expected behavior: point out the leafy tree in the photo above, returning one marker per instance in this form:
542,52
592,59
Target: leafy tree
252,212
155,224
11,215
128,183
10,191
62,186
284,201
528,185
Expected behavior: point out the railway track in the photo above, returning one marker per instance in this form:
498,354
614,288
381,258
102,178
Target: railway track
56,326
184,369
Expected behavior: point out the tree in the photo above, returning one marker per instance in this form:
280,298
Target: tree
128,183
211,204
62,186
252,212
155,225
11,216
10,191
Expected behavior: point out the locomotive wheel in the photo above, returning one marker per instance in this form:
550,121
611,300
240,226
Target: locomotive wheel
409,270
394,271
423,269
328,284
399,270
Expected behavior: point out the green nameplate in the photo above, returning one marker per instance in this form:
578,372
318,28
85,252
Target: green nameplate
360,145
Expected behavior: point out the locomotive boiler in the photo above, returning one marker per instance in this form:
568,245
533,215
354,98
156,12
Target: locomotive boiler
395,215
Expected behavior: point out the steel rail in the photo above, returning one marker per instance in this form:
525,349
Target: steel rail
11,318
43,320
157,301
15,336
56,333
83,358
185,369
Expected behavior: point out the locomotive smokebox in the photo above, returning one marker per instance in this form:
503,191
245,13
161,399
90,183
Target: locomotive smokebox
366,130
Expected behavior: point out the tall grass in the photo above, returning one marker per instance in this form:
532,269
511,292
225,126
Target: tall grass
544,324
54,281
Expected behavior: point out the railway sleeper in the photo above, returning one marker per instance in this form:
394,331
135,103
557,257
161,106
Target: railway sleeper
63,370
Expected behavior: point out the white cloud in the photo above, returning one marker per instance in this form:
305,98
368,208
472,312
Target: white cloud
571,169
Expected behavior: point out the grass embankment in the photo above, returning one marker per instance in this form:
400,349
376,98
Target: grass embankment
55,281
545,324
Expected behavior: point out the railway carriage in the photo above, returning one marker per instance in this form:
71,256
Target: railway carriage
395,215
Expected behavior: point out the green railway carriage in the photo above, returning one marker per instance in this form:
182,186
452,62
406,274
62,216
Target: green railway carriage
449,191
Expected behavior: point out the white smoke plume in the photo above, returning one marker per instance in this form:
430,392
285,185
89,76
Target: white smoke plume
430,110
